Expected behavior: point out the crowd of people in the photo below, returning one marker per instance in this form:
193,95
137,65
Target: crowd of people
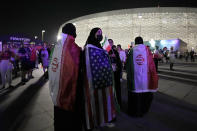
170,56
85,84
20,61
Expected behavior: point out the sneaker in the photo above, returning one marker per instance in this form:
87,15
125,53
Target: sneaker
109,125
11,86
25,80
31,77
2,88
22,83
113,120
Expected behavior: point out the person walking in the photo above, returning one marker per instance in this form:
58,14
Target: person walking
142,79
37,59
186,55
6,66
156,57
122,55
32,60
167,55
172,57
24,59
192,55
45,59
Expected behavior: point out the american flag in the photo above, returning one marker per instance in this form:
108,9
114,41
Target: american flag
100,68
98,88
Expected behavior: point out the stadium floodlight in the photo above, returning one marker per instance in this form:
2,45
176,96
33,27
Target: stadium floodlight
152,42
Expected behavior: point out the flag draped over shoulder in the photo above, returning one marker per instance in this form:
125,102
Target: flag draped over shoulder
106,46
63,72
141,72
99,99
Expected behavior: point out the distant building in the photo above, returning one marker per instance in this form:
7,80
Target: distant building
163,23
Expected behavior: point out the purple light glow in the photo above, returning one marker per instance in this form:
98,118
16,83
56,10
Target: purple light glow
168,43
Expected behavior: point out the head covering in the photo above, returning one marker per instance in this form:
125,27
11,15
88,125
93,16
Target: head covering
138,40
119,46
69,29
92,39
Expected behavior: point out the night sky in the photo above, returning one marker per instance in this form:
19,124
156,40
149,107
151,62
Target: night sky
30,17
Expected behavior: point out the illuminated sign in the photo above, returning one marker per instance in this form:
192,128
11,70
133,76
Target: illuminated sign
164,44
170,43
19,39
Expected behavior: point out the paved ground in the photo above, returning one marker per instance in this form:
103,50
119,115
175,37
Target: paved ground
29,108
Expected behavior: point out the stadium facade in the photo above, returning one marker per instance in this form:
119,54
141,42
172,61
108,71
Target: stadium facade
124,25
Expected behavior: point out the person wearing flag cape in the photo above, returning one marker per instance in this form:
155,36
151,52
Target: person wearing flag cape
98,83
64,77
142,79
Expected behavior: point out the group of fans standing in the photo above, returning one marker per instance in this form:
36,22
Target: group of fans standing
85,85
170,56
21,61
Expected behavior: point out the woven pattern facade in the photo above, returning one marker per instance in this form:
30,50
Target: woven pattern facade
150,23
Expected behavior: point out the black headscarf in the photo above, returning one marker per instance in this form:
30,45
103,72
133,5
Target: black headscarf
69,29
92,39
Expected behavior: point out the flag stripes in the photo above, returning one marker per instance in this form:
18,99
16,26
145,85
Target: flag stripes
99,102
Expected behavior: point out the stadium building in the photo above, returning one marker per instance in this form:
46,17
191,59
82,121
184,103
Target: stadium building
153,24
